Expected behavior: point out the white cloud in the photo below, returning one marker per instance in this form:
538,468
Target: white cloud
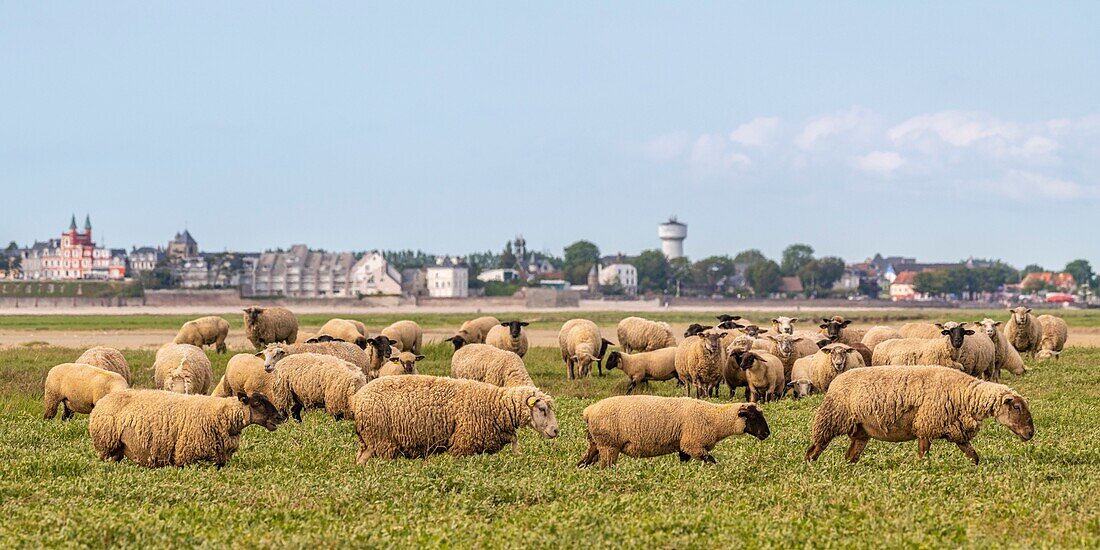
713,153
956,128
1023,185
880,162
856,120
756,132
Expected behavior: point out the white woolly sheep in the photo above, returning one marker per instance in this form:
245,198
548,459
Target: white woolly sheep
920,402
879,334
344,329
418,416
156,428
1006,356
204,331
77,387
509,336
400,364
836,329
789,349
315,381
832,361
801,383
943,351
637,334
1024,331
408,335
784,325
580,343
107,359
491,365
659,365
643,426
245,373
764,373
473,331
700,361
263,326
347,351
1055,332
182,368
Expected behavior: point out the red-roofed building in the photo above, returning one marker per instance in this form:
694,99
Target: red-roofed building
1046,279
791,285
74,256
902,288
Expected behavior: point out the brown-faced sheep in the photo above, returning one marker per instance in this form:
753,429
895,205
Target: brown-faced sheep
418,416
879,334
491,365
837,331
347,351
315,381
400,364
107,359
263,326
764,373
659,365
637,334
245,373
700,361
156,428
1024,331
1055,332
789,349
643,426
509,336
408,335
473,331
920,402
832,361
182,368
580,343
204,331
1006,356
77,387
343,329
943,351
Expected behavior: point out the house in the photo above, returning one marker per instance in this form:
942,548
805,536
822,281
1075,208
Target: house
622,274
414,282
182,246
1039,280
449,278
372,274
142,259
304,273
73,256
902,288
790,285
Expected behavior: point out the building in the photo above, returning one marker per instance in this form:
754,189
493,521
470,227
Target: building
530,266
373,275
73,256
498,275
303,273
791,285
182,246
414,282
449,278
142,259
622,274
672,234
1040,280
902,288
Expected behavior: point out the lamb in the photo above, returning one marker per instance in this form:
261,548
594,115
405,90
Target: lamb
920,402
473,331
418,416
1006,356
919,351
263,326
644,426
107,359
638,335
402,363
491,365
182,368
700,361
77,387
509,336
204,331
836,329
347,351
764,373
313,381
830,362
790,349
580,343
1024,331
156,428
801,382
345,330
659,365
1054,336
408,334
879,334
246,373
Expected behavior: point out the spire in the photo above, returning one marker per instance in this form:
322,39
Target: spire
72,224
87,222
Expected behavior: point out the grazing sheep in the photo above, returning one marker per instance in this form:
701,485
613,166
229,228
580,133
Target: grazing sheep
977,355
347,351
473,331
837,331
637,334
832,361
784,325
801,383
696,329
1024,331
509,336
643,426
263,326
879,334
920,402
343,329
204,331
700,361
379,350
764,373
919,351
246,373
182,368
580,343
1006,356
408,334
402,363
659,365
315,381
77,387
1054,336
156,428
491,365
418,416
107,359
790,349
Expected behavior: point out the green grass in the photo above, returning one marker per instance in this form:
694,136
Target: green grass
299,485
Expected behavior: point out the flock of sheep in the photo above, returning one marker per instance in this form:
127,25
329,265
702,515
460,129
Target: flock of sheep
919,381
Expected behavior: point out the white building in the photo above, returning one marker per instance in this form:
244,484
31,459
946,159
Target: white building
498,275
372,274
448,279
624,275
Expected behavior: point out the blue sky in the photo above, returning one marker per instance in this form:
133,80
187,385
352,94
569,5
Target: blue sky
938,130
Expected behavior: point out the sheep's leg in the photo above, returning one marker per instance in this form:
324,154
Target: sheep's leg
706,458
52,401
608,456
630,387
684,457
599,367
969,451
296,410
923,445
66,412
338,417
590,456
220,346
859,439
569,366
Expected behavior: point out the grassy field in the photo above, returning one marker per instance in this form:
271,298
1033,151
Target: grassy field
299,485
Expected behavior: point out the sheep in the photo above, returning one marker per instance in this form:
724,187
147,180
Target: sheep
1024,331
659,365
77,387
790,349
732,374
314,381
418,416
203,332
1006,356
509,336
491,365
246,373
696,329
1054,336
107,359
156,428
700,361
379,350
837,331
864,352
473,331
784,325
402,363
345,330
182,368
801,379
832,361
263,326
730,322
408,334
643,426
764,373
919,351
580,343
879,334
920,402
638,335
922,330
347,351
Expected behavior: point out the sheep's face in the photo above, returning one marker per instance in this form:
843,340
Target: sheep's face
272,355
515,328
755,424
407,361
838,356
784,324
695,329
383,346
543,419
784,344
252,314
583,360
613,360
956,334
1016,415
1021,315
751,331
457,341
747,361
989,327
263,412
712,341
730,325
832,327
800,388
1047,354
728,318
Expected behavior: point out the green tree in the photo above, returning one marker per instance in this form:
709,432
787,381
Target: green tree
653,271
992,278
794,257
682,276
764,277
507,258
750,256
1031,268
579,259
707,272
1081,271
820,275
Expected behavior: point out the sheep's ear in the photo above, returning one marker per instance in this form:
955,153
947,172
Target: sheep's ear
505,324
761,331
790,384
260,354
826,321
775,320
1028,310
846,322
395,359
392,341
968,332
771,337
532,401
575,358
827,351
242,396
795,338
795,320
419,357
945,332
523,323
996,323
824,325
1008,399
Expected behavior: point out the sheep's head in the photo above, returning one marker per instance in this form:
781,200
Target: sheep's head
407,361
784,343
1047,354
543,419
728,318
584,358
800,387
271,355
838,355
383,346
1022,315
457,341
712,341
729,322
740,344
1015,414
833,326
989,327
514,327
751,330
753,417
613,360
695,329
784,324
252,314
748,359
604,343
956,334
262,411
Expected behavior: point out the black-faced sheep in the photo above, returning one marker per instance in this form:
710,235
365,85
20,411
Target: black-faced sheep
204,331
77,387
637,334
509,336
764,373
473,331
491,365
696,329
107,359
943,351
263,326
837,331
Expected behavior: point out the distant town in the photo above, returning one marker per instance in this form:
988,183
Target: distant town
303,272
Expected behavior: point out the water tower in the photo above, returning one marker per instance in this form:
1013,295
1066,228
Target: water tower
672,234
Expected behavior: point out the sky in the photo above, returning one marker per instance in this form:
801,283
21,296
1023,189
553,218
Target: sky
941,130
